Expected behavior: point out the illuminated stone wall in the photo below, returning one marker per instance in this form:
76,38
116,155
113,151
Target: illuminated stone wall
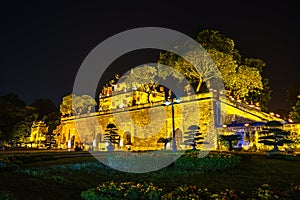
146,124
128,99
38,131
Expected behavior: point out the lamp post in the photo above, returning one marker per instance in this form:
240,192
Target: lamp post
174,148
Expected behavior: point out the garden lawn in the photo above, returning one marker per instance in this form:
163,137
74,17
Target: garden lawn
66,178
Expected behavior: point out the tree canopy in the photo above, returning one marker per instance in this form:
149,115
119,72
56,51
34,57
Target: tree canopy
48,113
295,113
44,107
292,93
73,104
143,77
241,75
16,118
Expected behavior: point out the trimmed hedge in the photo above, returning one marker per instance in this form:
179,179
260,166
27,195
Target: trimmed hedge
285,157
207,164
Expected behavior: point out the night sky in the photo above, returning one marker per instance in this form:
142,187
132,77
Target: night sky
44,44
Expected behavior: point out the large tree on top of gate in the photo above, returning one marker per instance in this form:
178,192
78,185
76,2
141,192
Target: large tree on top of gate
241,76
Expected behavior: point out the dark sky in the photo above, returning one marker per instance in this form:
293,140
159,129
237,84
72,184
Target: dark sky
44,44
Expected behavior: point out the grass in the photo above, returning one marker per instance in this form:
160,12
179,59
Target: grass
66,178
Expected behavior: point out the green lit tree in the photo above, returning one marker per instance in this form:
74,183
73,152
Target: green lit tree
242,78
143,78
66,105
265,96
293,92
295,137
52,120
274,135
258,95
213,39
15,118
255,63
219,47
193,75
295,113
243,82
44,107
49,114
76,105
22,130
88,103
230,139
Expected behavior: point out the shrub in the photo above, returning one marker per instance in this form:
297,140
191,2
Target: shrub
294,191
265,193
187,192
198,154
6,165
206,164
60,179
6,195
193,192
129,190
123,191
285,157
91,194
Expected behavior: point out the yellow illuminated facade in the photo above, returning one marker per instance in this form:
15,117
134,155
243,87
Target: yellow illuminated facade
38,134
118,109
133,110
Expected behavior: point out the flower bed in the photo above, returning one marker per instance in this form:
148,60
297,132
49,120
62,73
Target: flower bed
123,191
133,191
